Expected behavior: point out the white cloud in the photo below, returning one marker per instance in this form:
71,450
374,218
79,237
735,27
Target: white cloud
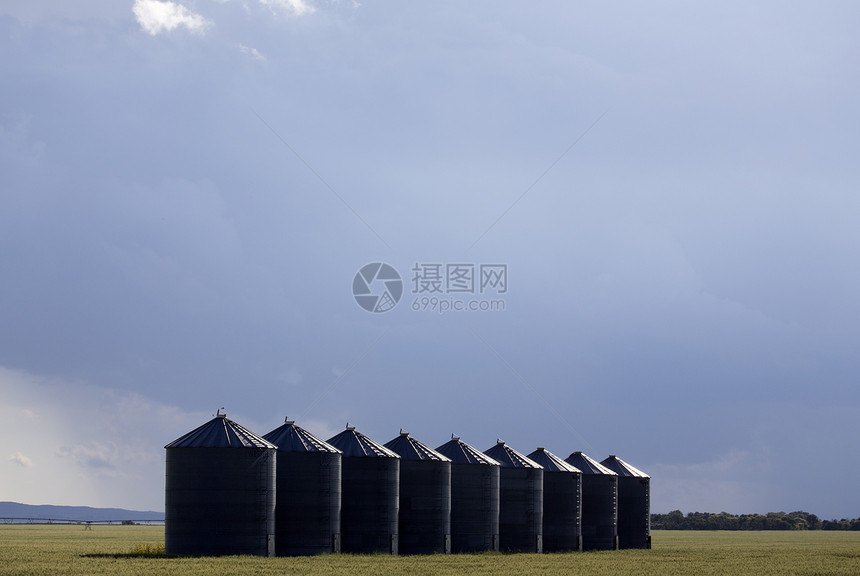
105,444
156,16
21,460
252,52
91,455
295,7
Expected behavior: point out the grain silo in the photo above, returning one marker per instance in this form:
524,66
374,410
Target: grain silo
634,504
220,492
562,503
370,494
425,497
307,513
520,500
474,498
599,503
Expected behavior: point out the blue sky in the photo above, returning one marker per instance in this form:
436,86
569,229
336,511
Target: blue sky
187,190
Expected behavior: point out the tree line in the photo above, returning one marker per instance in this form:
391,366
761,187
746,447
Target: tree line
675,520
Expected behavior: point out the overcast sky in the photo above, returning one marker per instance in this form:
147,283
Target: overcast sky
188,189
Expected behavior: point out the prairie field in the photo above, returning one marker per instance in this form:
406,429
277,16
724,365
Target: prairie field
109,550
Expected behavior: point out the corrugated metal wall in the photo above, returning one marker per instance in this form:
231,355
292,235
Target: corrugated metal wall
425,507
599,512
599,503
370,494
370,502
307,515
562,503
634,515
474,508
425,497
562,522
634,504
220,501
474,498
521,509
520,500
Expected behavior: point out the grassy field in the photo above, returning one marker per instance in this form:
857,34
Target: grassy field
106,550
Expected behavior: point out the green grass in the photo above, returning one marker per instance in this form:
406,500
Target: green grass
132,550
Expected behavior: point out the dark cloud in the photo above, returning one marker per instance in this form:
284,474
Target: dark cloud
180,222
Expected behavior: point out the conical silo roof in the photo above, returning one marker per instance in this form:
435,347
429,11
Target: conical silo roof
551,462
291,438
353,443
588,465
622,468
510,458
409,448
461,453
220,432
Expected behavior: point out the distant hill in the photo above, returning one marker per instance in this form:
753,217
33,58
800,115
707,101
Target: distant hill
75,513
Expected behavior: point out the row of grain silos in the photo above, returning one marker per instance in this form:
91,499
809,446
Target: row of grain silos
289,493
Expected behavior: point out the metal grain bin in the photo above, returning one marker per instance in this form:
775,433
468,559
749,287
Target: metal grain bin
562,503
634,504
599,503
474,498
370,494
307,514
220,492
425,497
520,500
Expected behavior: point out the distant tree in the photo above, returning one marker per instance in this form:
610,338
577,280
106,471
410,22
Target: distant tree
843,524
811,521
798,520
800,524
674,520
777,521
